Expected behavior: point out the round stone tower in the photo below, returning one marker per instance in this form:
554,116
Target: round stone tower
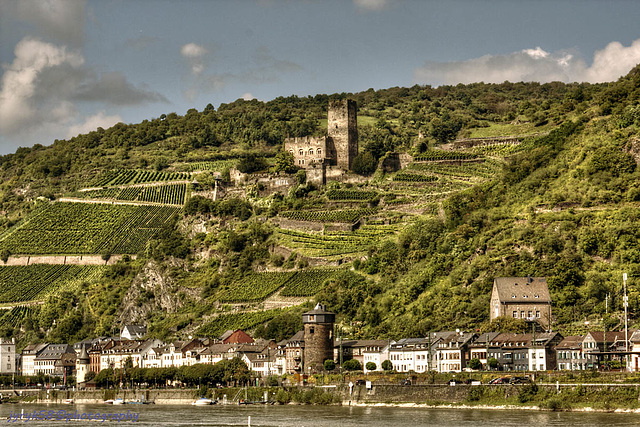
318,338
82,366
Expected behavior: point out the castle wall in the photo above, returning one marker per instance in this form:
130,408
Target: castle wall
308,150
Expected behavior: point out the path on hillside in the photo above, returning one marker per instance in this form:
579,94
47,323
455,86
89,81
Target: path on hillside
63,259
115,202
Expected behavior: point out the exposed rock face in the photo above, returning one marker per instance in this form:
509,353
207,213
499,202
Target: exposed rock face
633,148
152,290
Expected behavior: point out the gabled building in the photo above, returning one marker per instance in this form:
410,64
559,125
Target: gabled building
453,351
293,353
235,337
133,332
28,357
51,357
356,349
569,354
524,298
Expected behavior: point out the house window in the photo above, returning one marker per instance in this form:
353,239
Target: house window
515,314
538,314
529,313
522,314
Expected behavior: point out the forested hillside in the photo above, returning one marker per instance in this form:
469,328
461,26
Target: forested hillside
560,199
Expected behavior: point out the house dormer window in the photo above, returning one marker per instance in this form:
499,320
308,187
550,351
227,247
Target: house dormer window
513,296
536,296
525,296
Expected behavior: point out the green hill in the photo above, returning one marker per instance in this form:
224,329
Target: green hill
395,253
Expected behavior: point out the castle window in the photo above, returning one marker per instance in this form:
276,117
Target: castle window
301,152
291,151
319,151
311,152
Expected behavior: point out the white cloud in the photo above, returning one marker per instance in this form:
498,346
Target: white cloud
62,20
94,122
248,96
608,64
21,81
43,85
371,5
194,54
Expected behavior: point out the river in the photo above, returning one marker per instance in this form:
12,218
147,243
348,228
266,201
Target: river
315,416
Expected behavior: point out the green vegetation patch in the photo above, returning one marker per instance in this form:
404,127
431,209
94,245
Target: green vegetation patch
83,228
255,287
131,176
345,215
308,282
335,244
214,166
337,194
16,315
245,321
35,282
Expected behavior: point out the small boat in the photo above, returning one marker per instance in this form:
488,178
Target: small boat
203,401
68,401
118,401
109,402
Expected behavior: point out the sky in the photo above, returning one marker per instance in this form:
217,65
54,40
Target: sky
70,66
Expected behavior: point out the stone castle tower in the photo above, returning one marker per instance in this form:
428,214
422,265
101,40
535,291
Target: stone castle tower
318,338
338,148
342,129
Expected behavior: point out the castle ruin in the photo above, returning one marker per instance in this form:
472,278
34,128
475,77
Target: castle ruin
338,148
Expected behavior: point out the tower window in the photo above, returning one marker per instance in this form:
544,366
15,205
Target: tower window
311,330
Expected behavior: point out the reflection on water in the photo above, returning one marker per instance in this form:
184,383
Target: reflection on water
324,416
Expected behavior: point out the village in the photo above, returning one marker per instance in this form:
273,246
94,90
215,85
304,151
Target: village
318,349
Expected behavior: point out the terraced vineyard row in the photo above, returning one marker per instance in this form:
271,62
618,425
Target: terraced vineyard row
16,315
486,169
131,176
336,194
501,150
433,155
214,166
233,321
414,177
255,287
80,228
345,215
171,194
35,282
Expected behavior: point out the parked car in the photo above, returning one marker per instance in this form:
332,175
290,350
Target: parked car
360,382
500,380
519,380
406,381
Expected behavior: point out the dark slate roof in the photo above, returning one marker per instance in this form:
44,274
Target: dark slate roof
522,289
572,341
55,351
319,309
